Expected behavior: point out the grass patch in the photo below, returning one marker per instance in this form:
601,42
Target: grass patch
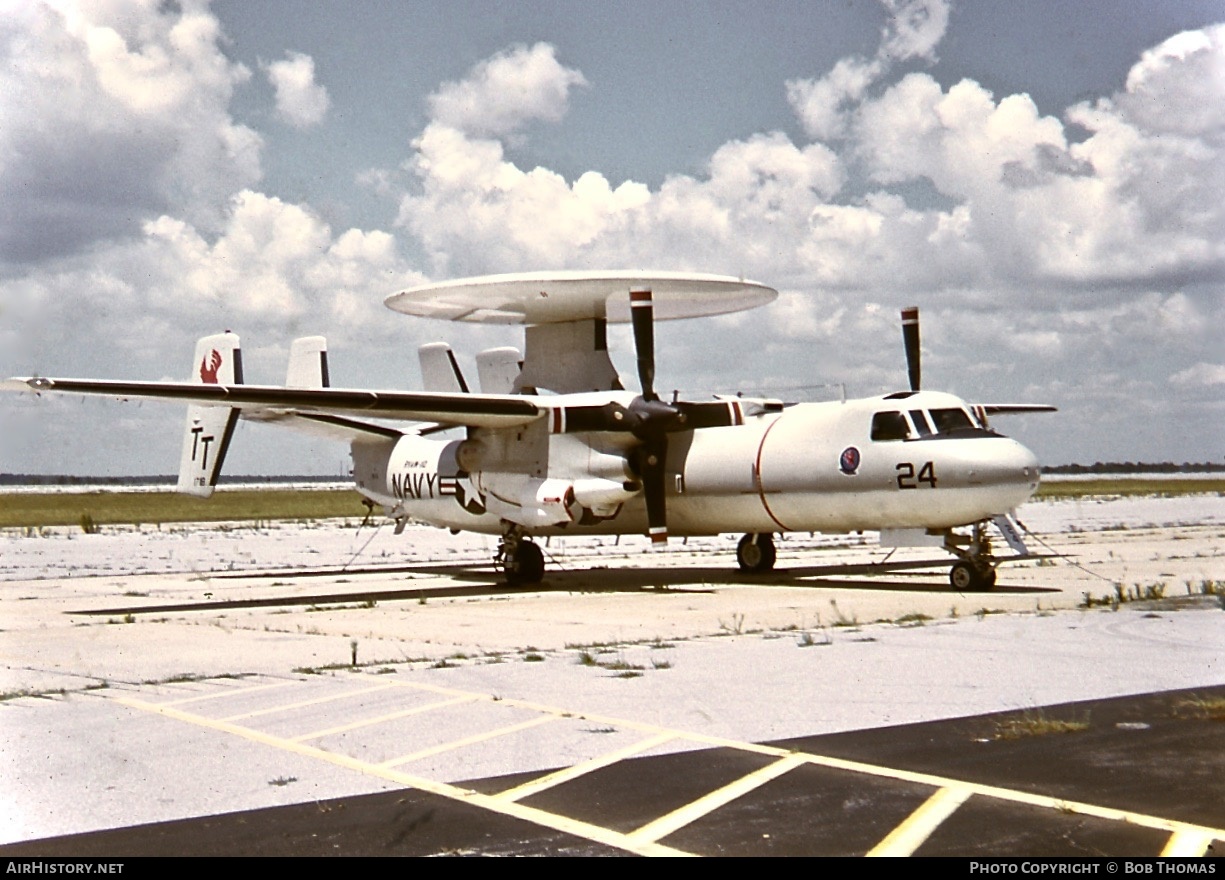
621,665
841,619
1036,724
734,626
1207,708
89,510
1115,486
1122,595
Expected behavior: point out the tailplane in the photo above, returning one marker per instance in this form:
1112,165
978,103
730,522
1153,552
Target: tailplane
206,438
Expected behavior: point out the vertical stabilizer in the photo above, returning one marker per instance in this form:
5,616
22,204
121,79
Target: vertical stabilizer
497,369
206,438
308,363
439,369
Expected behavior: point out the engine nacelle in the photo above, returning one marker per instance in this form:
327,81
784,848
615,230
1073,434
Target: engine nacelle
603,497
528,501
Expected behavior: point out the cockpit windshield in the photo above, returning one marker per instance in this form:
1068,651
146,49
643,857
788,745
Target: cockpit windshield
893,425
949,420
890,426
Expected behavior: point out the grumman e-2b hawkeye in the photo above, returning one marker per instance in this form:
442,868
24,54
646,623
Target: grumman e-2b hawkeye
555,445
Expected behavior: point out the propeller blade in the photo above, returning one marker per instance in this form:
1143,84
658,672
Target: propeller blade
910,338
642,315
651,465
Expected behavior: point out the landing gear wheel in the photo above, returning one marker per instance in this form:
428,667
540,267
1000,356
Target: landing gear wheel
966,577
756,556
526,566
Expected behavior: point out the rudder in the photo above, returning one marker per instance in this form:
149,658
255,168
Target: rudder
206,438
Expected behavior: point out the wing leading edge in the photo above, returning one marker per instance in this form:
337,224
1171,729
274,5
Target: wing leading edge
472,410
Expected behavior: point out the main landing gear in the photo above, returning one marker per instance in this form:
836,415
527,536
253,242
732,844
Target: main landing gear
755,553
521,560
974,571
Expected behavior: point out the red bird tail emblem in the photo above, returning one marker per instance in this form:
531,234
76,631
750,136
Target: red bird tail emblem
209,367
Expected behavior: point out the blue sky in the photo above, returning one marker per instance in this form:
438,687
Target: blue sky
1044,180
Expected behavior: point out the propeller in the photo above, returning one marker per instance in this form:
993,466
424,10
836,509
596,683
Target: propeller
648,418
652,418
910,338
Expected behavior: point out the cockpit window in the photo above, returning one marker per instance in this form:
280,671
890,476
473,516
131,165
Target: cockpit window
920,423
890,426
949,420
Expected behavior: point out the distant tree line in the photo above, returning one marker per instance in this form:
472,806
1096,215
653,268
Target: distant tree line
1136,467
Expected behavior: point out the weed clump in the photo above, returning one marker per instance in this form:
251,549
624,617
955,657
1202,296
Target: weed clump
1036,724
1205,708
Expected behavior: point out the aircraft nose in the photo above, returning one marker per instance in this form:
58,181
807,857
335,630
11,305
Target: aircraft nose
1011,467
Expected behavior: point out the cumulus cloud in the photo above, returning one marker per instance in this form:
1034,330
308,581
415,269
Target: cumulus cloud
503,93
1017,199
274,268
113,114
1201,374
300,101
914,29
1076,258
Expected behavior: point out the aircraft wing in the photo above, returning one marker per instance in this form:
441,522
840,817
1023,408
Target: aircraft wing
993,409
318,404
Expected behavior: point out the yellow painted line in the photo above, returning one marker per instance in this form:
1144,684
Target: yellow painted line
667,824
568,774
469,740
934,781
1019,797
232,692
317,701
597,718
919,825
928,779
574,827
1188,844
390,716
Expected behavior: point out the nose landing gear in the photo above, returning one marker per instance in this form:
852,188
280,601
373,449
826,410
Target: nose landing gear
974,570
972,577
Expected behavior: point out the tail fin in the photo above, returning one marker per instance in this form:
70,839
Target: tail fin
308,363
497,369
439,369
218,361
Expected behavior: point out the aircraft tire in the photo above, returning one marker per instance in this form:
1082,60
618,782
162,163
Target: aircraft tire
966,577
527,566
756,557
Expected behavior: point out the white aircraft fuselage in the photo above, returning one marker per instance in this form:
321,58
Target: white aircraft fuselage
914,460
